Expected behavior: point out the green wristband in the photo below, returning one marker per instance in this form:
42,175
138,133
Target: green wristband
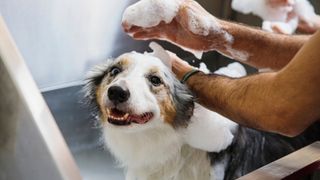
188,75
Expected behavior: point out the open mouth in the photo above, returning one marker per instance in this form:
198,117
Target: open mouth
121,118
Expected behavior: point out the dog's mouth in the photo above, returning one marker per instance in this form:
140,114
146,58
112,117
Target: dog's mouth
120,118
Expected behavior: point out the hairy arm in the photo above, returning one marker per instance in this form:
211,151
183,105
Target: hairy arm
285,102
246,44
263,49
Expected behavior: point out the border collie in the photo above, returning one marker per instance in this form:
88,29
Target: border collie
156,132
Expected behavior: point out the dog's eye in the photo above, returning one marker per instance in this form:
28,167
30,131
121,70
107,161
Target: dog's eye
114,71
155,80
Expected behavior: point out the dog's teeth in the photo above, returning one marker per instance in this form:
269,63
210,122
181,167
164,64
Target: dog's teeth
126,115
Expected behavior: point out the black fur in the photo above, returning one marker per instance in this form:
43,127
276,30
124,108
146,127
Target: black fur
252,149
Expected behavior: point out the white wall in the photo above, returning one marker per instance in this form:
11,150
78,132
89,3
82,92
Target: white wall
61,39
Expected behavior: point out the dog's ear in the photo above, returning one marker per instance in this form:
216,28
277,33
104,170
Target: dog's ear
184,104
93,80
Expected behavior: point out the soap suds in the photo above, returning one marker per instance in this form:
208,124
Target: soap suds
234,70
276,18
149,13
237,54
202,25
281,27
261,9
203,67
305,11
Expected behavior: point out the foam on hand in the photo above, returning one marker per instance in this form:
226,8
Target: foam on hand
305,11
276,18
261,9
202,25
281,27
149,13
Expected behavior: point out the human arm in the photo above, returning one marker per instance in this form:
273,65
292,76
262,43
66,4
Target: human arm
249,45
284,102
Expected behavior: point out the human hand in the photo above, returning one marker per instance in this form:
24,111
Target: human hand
308,21
309,26
280,3
192,27
179,66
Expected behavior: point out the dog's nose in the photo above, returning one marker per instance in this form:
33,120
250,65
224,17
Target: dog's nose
118,95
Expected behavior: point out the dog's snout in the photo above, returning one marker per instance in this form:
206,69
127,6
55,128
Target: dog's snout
118,95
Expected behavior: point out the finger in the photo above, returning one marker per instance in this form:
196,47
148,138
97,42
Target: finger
279,3
146,35
291,15
126,26
305,28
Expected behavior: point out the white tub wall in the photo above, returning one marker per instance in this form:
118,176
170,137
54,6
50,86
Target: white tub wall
60,39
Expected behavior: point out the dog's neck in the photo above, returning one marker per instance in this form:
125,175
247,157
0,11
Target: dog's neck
156,153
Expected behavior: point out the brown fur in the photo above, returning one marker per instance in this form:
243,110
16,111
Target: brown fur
167,109
99,93
124,62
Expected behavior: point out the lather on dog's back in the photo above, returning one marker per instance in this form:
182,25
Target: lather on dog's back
156,131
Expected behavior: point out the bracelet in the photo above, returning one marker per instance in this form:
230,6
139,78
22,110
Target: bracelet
188,75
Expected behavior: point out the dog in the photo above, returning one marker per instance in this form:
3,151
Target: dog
153,127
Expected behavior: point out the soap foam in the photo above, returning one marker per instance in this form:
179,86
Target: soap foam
234,70
149,13
202,25
203,67
278,16
261,9
305,11
284,27
237,54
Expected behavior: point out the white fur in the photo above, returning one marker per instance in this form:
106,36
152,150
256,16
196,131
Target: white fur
156,150
218,169
209,131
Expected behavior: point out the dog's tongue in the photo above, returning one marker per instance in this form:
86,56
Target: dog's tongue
140,119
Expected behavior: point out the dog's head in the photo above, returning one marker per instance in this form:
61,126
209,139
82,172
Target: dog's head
137,91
